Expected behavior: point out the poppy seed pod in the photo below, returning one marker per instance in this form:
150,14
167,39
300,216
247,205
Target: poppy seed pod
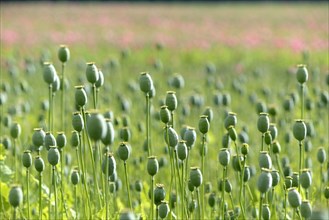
111,163
326,192
321,155
190,137
171,137
288,182
245,149
15,196
305,178
295,179
171,100
275,178
226,99
306,209
196,176
27,159
190,186
92,73
56,84
61,140
124,151
204,124
75,177
165,115
264,160
38,137
127,215
164,210
247,174
209,113
294,198
264,182
159,194
53,155
224,157
299,130
77,122
230,120
268,138
49,73
263,123
235,162
302,73
100,82
152,165
228,186
15,130
63,53
226,140
276,147
110,133
145,82
183,131
96,126
49,140
212,200
125,134
177,81
39,164
80,96
138,186
182,150
75,140
232,133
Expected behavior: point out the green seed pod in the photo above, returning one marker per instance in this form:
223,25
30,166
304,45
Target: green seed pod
124,151
306,209
212,200
159,194
321,155
165,115
15,130
183,131
15,196
295,179
61,140
288,104
299,130
204,124
264,160
75,177
276,148
77,121
190,186
226,99
326,192
208,187
111,163
310,130
110,133
247,174
6,143
100,82
92,73
232,133
226,140
235,163
53,155
263,123
164,210
171,101
196,176
171,137
152,165
27,159
49,140
261,107
266,212
75,140
192,206
39,164
224,156
96,126
138,186
63,53
230,120
294,198
80,96
268,138
264,181
56,84
218,99
275,178
254,212
305,178
125,134
182,150
228,186
272,110
209,113
177,81
145,82
49,73
302,73
245,149
190,137
127,215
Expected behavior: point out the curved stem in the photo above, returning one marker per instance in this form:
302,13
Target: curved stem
127,184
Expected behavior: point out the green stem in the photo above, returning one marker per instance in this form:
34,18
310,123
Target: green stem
99,154
149,150
263,136
223,192
202,171
322,178
157,212
94,96
302,101
55,191
182,191
127,185
40,196
63,97
241,191
27,192
152,197
15,158
106,189
199,204
260,205
285,204
300,162
50,107
14,213
75,202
